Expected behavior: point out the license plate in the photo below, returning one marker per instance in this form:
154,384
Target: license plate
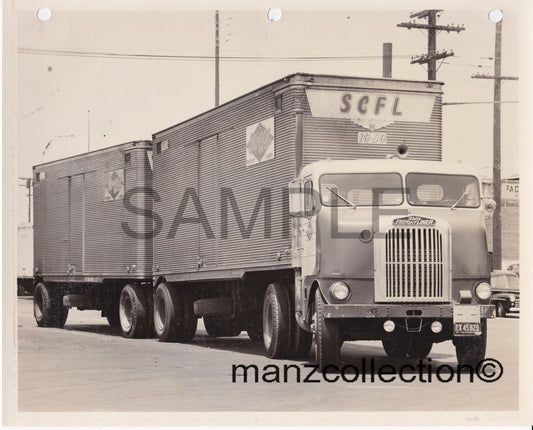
466,320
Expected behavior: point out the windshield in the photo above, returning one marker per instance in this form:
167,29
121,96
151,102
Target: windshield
356,189
428,189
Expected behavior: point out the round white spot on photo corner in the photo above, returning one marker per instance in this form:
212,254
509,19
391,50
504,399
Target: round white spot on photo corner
495,15
274,14
44,14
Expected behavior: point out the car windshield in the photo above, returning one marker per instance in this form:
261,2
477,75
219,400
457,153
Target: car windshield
361,189
507,281
429,189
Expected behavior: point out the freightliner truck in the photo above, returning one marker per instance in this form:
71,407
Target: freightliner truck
315,205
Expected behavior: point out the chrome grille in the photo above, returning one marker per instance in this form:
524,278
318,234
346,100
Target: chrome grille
414,265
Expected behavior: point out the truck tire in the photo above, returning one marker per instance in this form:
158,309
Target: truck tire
174,319
420,347
328,343
222,327
396,346
300,345
500,310
300,341
48,308
276,323
133,311
471,350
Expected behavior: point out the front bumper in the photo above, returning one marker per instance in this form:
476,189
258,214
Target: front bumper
398,311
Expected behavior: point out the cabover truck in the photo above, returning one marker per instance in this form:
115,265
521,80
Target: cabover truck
286,212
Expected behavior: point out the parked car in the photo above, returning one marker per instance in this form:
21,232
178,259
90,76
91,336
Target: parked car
505,292
515,268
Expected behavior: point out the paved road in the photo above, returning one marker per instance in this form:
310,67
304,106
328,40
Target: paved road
88,366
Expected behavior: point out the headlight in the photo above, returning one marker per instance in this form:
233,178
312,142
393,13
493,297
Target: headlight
339,290
483,291
436,326
389,326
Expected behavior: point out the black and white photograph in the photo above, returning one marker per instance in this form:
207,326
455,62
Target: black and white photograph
259,213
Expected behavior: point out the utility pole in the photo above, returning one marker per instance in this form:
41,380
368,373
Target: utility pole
28,186
496,154
217,58
387,60
88,130
432,55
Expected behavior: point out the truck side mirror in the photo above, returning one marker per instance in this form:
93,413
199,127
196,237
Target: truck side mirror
296,198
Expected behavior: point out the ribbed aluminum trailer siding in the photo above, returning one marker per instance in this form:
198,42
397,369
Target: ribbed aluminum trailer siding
80,208
312,117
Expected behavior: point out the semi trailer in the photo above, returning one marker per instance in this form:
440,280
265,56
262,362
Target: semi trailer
314,205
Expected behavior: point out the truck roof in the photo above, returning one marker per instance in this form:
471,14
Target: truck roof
370,165
124,145
320,80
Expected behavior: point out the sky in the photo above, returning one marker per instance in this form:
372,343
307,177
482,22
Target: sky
132,98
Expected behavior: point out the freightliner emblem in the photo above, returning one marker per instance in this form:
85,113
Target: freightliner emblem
414,220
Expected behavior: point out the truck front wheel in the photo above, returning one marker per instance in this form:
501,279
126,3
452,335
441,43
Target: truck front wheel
133,312
396,346
420,347
174,318
471,350
48,308
328,343
276,323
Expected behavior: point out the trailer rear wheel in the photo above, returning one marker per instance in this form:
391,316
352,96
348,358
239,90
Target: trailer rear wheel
276,323
174,318
133,311
328,343
48,308
471,350
222,327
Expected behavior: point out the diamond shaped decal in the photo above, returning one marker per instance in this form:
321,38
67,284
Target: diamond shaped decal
114,185
260,142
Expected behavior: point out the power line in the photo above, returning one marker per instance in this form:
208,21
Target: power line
477,103
97,54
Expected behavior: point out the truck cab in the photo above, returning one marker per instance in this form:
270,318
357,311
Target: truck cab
392,250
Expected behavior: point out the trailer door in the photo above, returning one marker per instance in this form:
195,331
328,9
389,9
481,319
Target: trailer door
208,196
76,223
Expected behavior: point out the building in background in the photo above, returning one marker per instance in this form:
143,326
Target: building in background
510,212
25,258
